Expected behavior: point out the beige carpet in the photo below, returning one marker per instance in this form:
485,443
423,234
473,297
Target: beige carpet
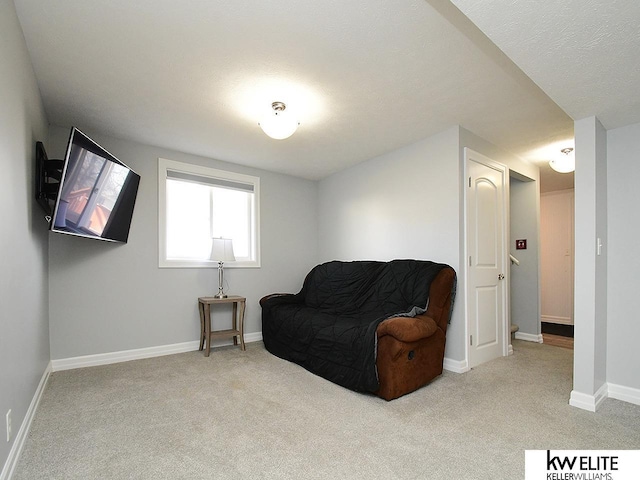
249,415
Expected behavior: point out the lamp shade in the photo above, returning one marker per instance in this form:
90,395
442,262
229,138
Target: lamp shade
279,124
222,250
565,163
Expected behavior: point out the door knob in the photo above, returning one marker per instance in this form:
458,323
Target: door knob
501,276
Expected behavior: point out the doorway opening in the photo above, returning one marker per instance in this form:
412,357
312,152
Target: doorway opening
524,254
557,267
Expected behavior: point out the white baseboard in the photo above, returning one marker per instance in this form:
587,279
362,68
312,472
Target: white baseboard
139,353
510,350
626,394
558,320
591,403
528,337
455,366
21,436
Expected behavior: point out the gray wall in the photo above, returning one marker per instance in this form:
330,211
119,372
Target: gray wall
108,298
515,164
524,220
24,327
400,205
409,204
623,301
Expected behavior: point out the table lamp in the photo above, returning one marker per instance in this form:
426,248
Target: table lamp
222,251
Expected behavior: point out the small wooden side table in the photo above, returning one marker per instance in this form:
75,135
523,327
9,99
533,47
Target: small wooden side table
237,327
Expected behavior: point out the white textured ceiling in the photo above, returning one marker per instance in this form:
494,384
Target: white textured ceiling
585,54
364,77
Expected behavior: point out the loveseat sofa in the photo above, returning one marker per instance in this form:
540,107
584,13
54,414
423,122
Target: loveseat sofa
369,326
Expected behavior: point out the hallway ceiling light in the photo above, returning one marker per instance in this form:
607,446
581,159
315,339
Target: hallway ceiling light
279,124
566,163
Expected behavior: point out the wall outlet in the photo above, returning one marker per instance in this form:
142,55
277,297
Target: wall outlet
9,425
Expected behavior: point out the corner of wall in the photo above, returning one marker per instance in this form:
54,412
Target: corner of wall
588,402
25,426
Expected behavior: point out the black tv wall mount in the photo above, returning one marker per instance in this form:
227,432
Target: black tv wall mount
48,176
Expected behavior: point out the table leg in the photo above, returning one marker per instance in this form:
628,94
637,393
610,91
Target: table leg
207,328
202,330
241,321
234,324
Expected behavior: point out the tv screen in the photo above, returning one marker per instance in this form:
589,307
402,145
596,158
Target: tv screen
97,192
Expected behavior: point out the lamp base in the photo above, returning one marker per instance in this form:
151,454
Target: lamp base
220,293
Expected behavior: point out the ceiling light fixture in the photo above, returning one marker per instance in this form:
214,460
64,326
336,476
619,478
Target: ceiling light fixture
279,124
566,163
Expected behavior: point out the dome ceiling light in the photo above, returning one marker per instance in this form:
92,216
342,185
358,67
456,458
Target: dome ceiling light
279,124
565,163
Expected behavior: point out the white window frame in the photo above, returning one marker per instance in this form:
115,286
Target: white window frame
165,165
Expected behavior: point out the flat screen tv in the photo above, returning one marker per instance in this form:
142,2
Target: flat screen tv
97,192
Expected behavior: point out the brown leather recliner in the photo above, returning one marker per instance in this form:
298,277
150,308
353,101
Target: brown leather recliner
411,350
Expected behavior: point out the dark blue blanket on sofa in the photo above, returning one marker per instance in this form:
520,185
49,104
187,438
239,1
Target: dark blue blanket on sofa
329,327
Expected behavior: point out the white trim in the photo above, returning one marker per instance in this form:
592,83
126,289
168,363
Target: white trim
455,366
139,353
591,403
21,436
510,349
252,337
529,337
163,166
558,320
122,356
626,394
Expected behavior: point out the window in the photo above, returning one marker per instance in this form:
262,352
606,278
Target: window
198,203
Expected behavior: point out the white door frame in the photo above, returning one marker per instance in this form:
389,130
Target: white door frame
506,330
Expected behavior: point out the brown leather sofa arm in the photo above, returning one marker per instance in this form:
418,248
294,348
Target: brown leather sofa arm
440,293
408,329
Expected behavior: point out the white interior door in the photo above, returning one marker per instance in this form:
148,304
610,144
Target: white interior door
486,267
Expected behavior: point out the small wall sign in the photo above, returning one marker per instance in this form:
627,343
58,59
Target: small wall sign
521,244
